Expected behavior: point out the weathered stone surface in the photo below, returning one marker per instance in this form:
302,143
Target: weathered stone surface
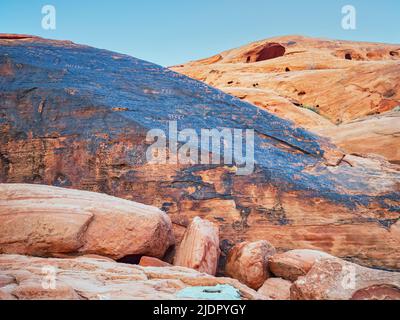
98,279
6,280
276,289
295,263
263,52
48,221
199,248
336,279
375,134
152,262
329,86
248,262
77,117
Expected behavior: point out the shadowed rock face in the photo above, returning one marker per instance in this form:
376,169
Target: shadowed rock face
76,116
264,52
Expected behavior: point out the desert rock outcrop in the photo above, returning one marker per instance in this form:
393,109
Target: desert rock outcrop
335,279
77,117
152,262
276,289
293,264
97,279
199,248
248,262
48,221
332,87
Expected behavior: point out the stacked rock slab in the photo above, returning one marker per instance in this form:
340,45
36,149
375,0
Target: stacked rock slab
75,116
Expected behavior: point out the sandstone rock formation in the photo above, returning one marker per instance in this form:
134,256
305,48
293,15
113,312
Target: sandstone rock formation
75,116
293,264
199,248
320,84
376,134
335,279
276,289
152,262
48,221
248,262
97,279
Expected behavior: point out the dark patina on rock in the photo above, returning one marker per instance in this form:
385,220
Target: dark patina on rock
76,116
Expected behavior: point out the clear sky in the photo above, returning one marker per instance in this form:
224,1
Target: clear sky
170,32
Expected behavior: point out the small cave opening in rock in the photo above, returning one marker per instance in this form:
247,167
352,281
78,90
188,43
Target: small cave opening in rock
266,51
270,51
287,69
131,259
394,53
348,56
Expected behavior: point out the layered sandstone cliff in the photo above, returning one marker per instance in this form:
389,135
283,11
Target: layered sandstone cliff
335,88
77,117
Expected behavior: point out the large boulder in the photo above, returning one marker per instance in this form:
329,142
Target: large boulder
199,248
77,117
248,262
98,279
295,263
336,279
48,221
276,289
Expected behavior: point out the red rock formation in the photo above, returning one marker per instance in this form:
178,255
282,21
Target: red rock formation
199,248
264,51
152,262
77,117
293,264
96,279
248,262
378,134
329,86
48,221
335,279
276,289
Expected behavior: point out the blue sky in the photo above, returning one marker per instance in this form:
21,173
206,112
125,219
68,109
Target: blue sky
170,32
